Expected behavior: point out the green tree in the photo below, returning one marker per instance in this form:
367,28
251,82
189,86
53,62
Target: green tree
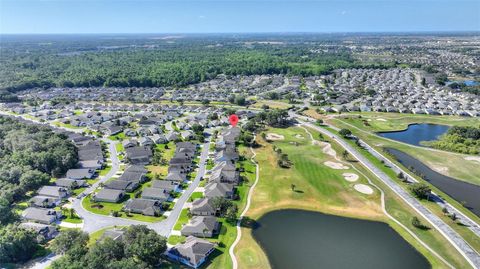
67,239
6,213
16,244
421,190
345,132
144,244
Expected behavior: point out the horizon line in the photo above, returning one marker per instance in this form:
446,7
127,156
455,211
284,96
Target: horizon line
266,32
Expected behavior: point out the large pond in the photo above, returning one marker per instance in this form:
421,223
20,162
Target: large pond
458,190
416,133
304,239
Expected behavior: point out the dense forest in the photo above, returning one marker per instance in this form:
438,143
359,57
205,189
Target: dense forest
460,139
29,156
157,62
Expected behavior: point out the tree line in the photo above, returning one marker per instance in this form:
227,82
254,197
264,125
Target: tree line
166,64
462,139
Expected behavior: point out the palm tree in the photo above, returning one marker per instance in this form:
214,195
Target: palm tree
292,186
345,154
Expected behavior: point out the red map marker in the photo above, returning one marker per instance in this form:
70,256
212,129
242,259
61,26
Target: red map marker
233,120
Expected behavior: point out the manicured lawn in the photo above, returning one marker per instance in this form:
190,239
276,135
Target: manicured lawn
105,170
224,240
210,164
120,137
175,239
74,218
182,219
119,147
196,195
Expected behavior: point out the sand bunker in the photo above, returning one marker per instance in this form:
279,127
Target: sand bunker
299,136
363,188
381,119
273,136
473,158
350,177
327,149
334,165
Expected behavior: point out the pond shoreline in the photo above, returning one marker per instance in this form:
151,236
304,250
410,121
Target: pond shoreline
336,244
457,189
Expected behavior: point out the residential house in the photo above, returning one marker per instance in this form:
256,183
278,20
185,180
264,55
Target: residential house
53,191
109,195
128,186
44,232
156,194
170,186
41,215
129,143
80,173
215,189
44,201
142,206
201,226
192,253
138,155
69,183
203,207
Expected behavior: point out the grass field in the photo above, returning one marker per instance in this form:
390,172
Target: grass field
168,152
324,189
280,104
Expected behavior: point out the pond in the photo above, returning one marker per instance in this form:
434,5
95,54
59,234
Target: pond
416,133
458,190
304,239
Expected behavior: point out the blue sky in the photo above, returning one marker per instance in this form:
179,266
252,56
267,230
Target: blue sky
224,16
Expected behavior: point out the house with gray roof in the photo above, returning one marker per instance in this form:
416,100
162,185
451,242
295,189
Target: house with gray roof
53,191
128,186
129,143
215,189
170,186
44,201
80,173
108,195
145,141
115,234
44,232
138,155
138,177
156,194
70,183
136,168
176,177
41,215
91,164
203,207
142,206
193,252
201,226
